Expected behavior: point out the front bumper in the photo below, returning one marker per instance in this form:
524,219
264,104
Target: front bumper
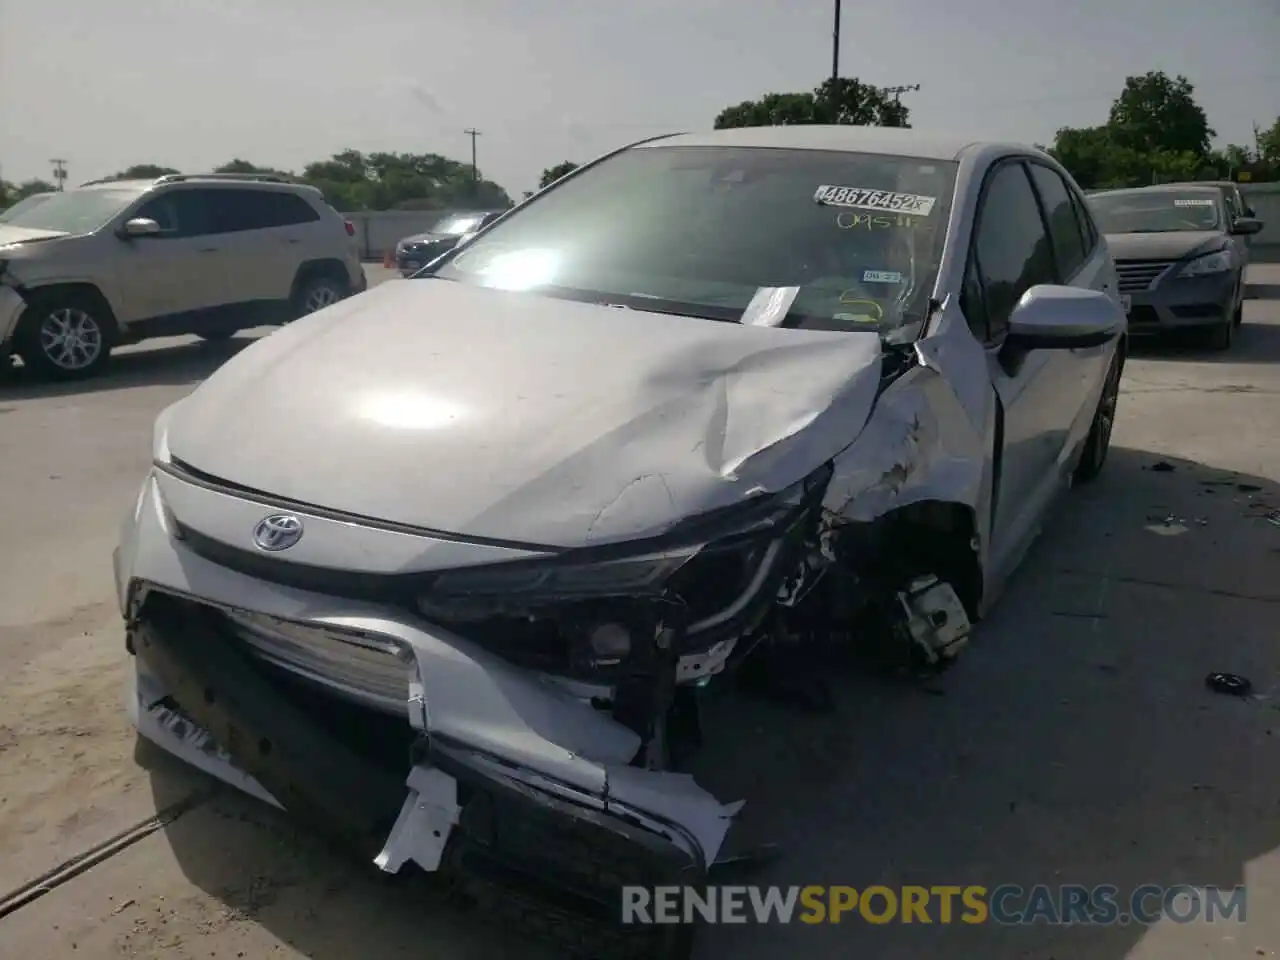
11,307
1178,303
495,776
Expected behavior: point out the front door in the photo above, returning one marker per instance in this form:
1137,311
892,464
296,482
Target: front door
177,271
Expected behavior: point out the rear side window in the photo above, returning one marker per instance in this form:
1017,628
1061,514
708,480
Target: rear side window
1011,245
1068,244
239,210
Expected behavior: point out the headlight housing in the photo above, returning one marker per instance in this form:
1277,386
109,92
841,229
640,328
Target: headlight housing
609,572
1219,261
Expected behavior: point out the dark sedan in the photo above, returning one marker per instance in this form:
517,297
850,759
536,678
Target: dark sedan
1179,258
414,252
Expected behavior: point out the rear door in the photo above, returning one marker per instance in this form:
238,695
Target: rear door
266,233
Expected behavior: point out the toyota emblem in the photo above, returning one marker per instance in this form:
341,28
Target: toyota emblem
280,531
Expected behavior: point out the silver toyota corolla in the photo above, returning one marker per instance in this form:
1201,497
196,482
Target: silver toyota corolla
443,568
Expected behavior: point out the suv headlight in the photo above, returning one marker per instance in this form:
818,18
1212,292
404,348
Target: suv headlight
1201,266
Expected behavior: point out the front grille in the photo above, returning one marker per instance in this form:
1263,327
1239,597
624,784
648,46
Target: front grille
1138,275
362,668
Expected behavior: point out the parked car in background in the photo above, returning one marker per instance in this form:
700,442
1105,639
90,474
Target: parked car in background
23,205
714,397
114,262
1237,206
412,253
1179,258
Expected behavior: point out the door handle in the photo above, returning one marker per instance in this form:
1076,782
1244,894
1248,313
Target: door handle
292,240
208,249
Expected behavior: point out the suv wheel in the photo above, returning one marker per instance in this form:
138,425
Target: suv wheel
316,293
65,336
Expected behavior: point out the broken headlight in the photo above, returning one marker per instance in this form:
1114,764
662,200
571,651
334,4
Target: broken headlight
609,572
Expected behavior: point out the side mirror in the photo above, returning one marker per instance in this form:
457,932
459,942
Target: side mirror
140,227
1246,226
1050,317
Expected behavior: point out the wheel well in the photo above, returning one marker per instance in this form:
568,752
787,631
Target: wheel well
315,269
86,290
935,536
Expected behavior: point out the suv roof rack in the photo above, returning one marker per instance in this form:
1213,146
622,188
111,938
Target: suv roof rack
260,177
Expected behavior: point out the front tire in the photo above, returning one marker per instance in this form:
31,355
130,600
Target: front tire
1220,336
1098,444
65,336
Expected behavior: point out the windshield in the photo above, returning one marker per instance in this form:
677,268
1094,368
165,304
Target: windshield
455,226
23,205
75,211
1156,211
818,239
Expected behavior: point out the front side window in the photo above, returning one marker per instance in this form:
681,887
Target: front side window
816,239
180,213
1012,245
1157,211
74,211
1068,244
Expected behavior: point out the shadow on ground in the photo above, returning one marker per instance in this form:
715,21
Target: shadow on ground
152,365
1254,343
1076,742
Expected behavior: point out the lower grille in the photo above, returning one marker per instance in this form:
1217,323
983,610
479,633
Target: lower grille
1138,275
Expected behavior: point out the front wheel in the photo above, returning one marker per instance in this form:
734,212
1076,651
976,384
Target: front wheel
64,336
1098,444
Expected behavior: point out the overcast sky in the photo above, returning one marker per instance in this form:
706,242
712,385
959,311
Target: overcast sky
193,83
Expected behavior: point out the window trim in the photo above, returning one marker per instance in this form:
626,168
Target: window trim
1045,221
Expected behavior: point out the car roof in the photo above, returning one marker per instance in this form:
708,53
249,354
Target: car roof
139,185
1164,188
890,141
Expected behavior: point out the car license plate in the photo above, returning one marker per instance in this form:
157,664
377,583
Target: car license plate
1126,302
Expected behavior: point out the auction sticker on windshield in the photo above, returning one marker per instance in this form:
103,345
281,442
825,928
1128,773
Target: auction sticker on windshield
862,198
881,276
1193,203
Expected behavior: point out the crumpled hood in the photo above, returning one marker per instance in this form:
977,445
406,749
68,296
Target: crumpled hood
1163,246
10,234
521,418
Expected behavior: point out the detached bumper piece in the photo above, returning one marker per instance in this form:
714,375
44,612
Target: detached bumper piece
535,856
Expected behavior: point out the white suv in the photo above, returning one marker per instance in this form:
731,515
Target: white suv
115,262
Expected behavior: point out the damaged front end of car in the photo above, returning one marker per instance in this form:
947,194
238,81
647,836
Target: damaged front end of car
520,725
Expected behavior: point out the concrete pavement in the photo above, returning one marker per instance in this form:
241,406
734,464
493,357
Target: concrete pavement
1075,742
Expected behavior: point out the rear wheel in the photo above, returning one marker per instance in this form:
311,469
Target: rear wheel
317,292
65,336
1098,443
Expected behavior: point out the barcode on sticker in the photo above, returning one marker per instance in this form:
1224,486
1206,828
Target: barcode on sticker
1193,203
861,198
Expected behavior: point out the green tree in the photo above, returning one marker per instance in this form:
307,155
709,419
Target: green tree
1154,112
351,180
25,189
845,100
1269,145
143,171
552,174
244,166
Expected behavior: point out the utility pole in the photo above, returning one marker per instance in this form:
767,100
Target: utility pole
59,172
475,171
835,46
